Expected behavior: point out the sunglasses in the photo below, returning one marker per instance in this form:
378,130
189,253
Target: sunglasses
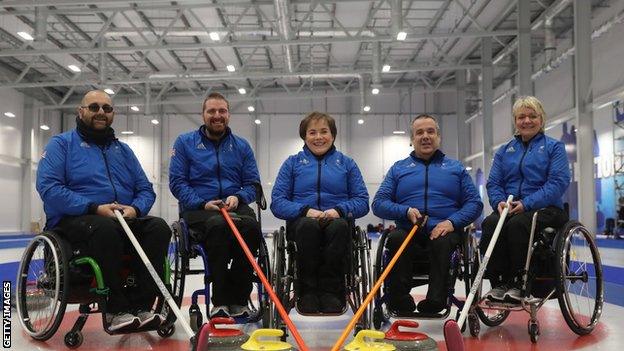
94,107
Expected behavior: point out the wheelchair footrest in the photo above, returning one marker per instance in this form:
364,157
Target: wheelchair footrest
422,315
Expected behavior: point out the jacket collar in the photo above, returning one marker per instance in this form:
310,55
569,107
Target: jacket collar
202,132
537,137
437,156
329,152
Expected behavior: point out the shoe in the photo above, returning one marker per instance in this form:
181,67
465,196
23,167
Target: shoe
430,306
402,303
149,319
239,311
497,293
331,303
219,311
308,303
513,295
121,320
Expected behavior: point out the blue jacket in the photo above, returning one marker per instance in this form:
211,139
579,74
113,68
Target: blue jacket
538,175
441,189
74,174
202,170
305,181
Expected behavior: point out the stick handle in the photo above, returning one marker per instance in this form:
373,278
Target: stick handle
483,266
159,283
376,287
264,280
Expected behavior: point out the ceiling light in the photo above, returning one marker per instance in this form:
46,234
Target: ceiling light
127,132
385,68
230,68
366,108
109,91
360,121
10,114
375,91
155,121
257,121
134,108
26,36
242,91
74,68
251,108
398,132
401,36
44,127
214,36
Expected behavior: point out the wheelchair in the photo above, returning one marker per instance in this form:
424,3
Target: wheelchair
464,266
357,281
562,263
188,248
52,275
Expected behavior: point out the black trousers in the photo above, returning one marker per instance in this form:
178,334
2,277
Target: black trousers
321,249
509,255
439,252
105,241
231,282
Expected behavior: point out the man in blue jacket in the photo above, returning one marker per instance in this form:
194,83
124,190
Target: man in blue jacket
83,176
425,183
212,167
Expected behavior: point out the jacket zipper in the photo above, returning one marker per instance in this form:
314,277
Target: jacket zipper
522,173
318,186
110,178
426,186
217,147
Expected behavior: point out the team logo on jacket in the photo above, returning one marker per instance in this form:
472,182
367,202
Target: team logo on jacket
337,162
412,165
511,149
231,147
201,146
304,161
541,149
84,144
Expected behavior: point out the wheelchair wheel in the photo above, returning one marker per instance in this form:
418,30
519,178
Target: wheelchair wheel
362,278
279,279
380,312
580,289
177,262
42,286
489,317
263,307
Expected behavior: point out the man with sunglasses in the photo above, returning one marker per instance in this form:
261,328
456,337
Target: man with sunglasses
212,167
83,176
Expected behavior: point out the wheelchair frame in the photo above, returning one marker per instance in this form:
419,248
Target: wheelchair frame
58,261
358,278
557,243
464,266
186,250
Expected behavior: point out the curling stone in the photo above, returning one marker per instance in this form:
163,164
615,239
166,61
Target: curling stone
360,342
213,338
258,341
407,340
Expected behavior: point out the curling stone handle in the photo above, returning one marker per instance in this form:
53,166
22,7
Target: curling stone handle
394,328
220,320
367,333
259,333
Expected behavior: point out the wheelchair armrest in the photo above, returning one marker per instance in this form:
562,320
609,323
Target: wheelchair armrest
260,199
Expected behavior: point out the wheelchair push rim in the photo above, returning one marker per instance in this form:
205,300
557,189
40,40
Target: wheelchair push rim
579,279
41,289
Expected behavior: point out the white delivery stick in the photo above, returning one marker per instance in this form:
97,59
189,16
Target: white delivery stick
486,258
155,277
